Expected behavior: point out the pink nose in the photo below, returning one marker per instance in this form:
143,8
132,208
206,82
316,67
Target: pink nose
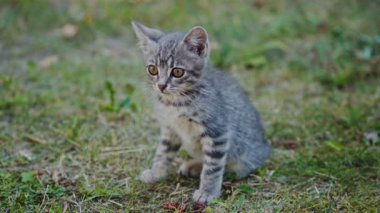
161,87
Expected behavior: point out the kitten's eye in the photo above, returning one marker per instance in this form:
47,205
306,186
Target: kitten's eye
152,70
177,72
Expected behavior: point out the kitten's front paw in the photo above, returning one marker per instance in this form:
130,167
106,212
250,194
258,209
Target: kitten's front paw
204,197
148,176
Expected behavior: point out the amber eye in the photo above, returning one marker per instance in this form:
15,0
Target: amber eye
152,70
178,72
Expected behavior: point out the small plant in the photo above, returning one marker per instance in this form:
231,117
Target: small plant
115,106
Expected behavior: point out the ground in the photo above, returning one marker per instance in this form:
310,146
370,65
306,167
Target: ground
76,123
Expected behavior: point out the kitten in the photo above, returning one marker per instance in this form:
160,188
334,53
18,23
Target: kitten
201,109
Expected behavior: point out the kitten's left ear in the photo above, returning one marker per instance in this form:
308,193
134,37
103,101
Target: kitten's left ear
196,41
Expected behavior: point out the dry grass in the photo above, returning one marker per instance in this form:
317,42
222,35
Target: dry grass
76,125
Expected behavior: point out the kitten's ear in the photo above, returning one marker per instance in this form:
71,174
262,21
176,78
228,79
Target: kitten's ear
147,36
196,41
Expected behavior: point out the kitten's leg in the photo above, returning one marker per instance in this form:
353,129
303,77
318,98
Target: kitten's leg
214,162
191,168
165,153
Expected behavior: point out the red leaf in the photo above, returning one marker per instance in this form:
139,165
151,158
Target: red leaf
175,206
198,206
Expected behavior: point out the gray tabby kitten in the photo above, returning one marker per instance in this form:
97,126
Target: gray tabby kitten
201,109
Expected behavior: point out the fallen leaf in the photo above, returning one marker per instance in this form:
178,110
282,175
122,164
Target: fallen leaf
323,27
259,4
48,61
227,186
55,177
34,139
88,19
286,144
175,206
66,182
70,30
198,206
39,175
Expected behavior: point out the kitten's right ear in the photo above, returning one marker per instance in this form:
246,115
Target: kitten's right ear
147,36
196,41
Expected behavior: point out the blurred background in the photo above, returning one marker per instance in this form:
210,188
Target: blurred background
76,124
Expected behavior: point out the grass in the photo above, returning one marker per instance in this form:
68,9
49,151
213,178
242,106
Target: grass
76,124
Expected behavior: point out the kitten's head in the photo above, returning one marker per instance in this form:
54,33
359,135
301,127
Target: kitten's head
174,61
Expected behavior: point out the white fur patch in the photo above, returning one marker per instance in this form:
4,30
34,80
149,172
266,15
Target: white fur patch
188,131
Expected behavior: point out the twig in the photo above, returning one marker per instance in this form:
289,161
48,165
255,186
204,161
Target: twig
175,192
324,175
123,150
111,149
34,139
43,199
116,203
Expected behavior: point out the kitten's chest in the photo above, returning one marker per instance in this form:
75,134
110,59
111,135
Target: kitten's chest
184,122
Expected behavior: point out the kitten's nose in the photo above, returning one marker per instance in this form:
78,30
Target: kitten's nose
161,87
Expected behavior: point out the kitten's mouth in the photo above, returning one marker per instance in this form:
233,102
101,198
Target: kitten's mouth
164,93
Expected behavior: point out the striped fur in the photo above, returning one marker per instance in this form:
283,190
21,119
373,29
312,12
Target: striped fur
204,111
